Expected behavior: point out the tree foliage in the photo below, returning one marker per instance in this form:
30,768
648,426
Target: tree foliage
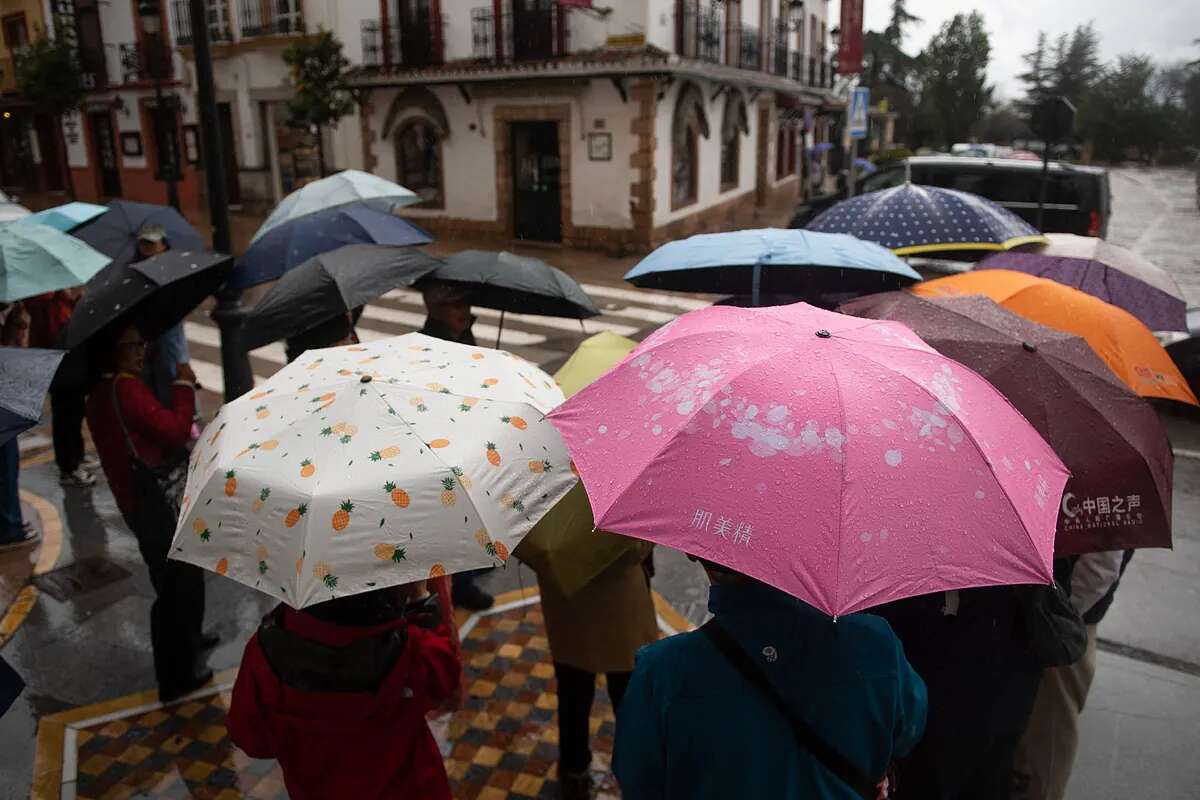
323,93
49,76
953,75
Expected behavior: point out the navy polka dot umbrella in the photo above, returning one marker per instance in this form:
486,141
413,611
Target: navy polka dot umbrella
923,220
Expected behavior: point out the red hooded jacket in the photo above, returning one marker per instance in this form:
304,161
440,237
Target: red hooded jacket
335,744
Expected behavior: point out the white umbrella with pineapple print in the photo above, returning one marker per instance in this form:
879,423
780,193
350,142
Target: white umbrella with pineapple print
360,467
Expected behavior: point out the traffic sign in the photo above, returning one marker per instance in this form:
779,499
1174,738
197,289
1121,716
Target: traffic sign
859,101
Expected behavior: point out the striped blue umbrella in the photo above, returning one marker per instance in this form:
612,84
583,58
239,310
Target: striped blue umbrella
912,220
772,261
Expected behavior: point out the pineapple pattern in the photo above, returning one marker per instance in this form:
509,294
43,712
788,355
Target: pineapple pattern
414,471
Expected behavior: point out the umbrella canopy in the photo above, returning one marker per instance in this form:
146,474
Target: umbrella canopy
330,284
519,284
115,232
153,294
1122,278
342,188
1119,494
840,460
564,547
66,218
1126,345
866,166
290,244
771,261
35,259
25,375
913,220
366,466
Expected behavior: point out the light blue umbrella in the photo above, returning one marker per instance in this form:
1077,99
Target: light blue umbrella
348,186
35,259
772,261
65,218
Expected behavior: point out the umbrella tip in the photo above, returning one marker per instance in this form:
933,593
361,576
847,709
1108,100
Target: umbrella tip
365,379
823,334
1029,346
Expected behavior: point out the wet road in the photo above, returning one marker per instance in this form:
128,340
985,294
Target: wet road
1143,720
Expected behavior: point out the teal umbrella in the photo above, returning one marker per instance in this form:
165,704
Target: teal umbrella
35,259
343,188
65,218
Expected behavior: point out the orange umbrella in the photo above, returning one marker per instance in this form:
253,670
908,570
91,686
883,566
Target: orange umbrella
1125,344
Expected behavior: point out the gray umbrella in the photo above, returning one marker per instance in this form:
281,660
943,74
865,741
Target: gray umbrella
25,375
522,285
330,284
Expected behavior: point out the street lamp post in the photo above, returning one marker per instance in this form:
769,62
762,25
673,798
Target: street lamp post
150,13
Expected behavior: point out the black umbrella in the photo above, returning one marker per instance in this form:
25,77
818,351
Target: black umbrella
507,282
330,284
153,294
115,232
25,375
1186,355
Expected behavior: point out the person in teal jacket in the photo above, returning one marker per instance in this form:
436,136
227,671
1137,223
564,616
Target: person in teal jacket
692,727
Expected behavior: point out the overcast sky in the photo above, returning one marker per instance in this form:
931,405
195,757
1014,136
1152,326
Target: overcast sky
1163,29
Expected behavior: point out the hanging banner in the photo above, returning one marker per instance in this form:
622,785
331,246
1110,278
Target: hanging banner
850,47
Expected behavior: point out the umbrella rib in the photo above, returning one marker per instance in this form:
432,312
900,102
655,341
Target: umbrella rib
837,578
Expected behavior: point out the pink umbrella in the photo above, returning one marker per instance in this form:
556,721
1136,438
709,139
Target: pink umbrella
841,460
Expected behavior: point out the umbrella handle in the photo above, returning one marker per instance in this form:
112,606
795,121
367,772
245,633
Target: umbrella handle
500,329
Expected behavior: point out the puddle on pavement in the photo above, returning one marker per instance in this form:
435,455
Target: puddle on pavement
79,578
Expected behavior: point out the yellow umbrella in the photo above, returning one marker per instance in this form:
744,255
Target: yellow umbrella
563,547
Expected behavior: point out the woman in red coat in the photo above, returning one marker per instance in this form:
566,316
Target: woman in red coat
126,418
338,694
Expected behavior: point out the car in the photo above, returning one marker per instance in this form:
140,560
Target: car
1078,199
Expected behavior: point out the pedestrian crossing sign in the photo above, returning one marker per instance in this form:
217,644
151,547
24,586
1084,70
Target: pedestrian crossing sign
858,112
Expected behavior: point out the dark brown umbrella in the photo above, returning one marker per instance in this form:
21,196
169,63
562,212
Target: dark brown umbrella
1119,495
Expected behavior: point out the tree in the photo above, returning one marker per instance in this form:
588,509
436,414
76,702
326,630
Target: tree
1076,64
889,70
1001,125
901,18
1036,76
1121,117
323,94
953,70
49,76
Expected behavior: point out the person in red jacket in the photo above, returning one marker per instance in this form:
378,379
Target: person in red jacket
126,418
338,694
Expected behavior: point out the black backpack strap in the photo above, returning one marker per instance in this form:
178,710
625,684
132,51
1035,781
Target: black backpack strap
808,739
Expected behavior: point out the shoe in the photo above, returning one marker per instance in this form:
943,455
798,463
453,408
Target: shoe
576,786
89,462
28,536
170,694
472,598
79,479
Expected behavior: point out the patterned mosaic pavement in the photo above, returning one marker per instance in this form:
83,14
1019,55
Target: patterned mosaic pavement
502,744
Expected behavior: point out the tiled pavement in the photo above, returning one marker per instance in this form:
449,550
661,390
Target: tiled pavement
502,744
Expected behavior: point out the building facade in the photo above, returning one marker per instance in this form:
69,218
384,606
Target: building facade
615,128
31,157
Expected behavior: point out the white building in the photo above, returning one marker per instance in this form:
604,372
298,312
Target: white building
616,127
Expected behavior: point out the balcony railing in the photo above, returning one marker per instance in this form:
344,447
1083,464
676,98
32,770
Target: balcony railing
812,70
219,29
749,54
699,34
269,17
141,61
410,47
796,67
522,34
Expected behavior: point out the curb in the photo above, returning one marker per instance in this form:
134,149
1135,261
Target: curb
51,525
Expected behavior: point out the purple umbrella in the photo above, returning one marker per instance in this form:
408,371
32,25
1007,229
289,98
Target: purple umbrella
1110,273
1119,494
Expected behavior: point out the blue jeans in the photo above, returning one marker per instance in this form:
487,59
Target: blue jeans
12,526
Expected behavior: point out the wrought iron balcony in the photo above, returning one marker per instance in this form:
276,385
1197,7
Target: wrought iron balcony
699,34
520,34
270,17
796,67
404,46
219,29
749,54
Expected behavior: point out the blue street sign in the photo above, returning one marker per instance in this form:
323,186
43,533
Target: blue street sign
859,102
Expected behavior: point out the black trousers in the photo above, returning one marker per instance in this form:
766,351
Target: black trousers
67,407
178,611
576,692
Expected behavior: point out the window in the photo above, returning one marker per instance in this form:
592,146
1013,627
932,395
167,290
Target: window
419,161
687,126
16,32
732,126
